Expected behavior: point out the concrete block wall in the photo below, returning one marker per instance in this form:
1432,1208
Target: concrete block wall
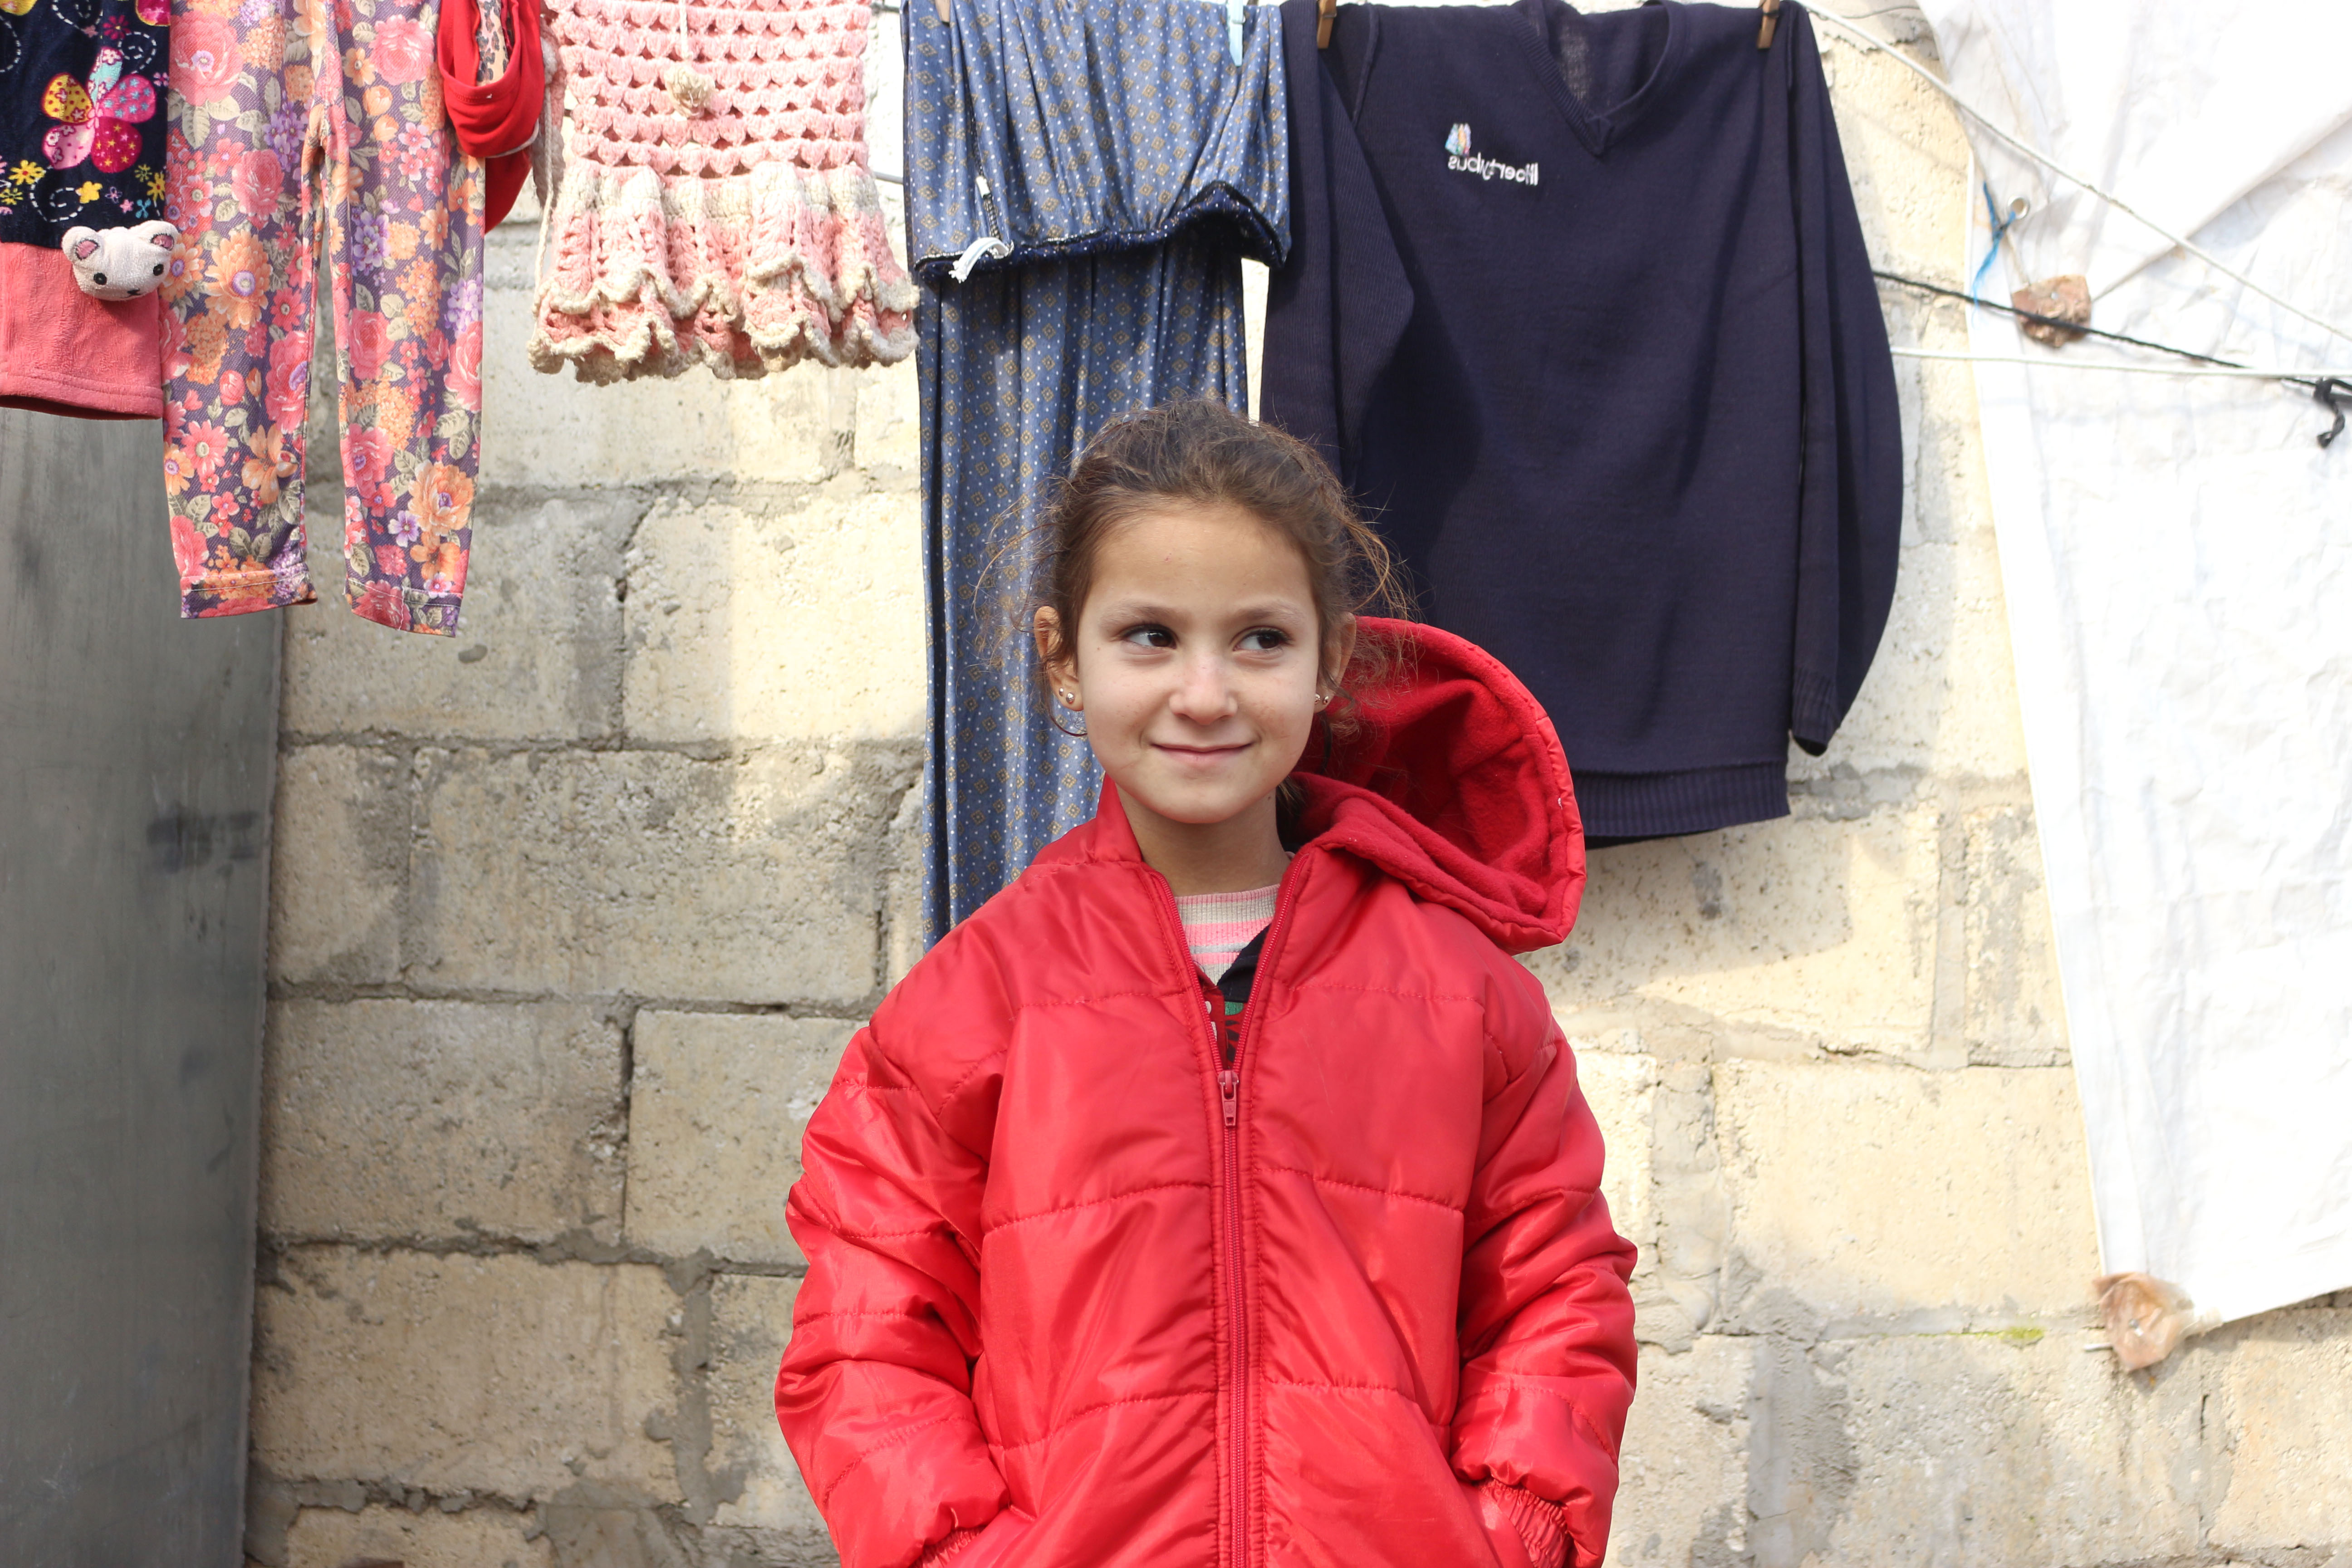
573,912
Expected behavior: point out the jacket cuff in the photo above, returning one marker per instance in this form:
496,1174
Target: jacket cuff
947,1548
1542,1526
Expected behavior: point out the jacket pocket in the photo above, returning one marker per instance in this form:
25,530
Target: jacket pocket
996,1543
1502,1535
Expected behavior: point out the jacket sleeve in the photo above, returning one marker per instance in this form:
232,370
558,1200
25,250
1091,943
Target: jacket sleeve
874,1394
1850,502
1546,1321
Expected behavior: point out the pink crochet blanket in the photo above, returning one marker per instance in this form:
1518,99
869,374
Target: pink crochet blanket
744,234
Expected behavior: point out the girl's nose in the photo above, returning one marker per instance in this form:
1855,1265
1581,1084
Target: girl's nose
1204,694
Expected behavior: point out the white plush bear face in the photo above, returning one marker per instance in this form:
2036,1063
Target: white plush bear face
121,263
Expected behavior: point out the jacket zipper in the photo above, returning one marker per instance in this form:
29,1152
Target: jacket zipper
1229,1099
1229,1090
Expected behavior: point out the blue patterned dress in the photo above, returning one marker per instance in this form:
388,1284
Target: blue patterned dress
1122,166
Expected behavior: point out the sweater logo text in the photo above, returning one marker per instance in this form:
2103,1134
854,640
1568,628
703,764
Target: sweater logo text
1459,158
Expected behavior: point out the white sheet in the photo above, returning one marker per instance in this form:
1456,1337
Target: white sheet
2178,561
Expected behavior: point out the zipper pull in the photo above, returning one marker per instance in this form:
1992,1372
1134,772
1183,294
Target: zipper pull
1229,1090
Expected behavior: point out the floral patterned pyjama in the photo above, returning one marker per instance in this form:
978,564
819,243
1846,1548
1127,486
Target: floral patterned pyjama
290,119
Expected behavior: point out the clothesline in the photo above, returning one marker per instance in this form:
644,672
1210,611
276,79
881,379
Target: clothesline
1870,42
2253,373
1846,25
2326,389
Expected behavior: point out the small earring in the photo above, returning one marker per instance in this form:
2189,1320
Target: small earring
1321,699
1069,699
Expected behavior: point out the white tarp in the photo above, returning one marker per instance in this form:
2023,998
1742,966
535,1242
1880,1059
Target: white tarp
2178,561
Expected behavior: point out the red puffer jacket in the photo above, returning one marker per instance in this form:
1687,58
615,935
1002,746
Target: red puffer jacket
1078,1297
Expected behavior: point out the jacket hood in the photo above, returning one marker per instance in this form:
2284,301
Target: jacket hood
1453,782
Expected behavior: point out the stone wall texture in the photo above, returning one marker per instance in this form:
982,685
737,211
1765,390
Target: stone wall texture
573,912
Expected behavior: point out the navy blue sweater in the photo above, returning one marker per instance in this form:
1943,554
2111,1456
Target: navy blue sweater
1580,308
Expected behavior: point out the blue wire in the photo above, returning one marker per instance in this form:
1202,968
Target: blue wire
2000,227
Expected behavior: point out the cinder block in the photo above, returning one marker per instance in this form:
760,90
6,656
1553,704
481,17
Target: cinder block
1906,154
1255,279
338,865
784,623
717,1106
654,874
1941,695
1622,1091
538,654
556,432
889,425
1882,1195
488,1536
1981,731
460,1373
384,1120
1682,1494
2287,1401
2016,1011
903,927
1678,1290
751,1317
2014,1448
1818,928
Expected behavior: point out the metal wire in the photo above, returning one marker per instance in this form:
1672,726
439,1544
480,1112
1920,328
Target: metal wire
2309,379
2012,142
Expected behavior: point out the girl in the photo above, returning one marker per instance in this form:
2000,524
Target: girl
1220,1192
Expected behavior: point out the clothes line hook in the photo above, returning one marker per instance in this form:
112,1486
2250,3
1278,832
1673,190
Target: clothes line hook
2325,394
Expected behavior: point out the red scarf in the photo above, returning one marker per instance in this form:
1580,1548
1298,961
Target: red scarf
494,119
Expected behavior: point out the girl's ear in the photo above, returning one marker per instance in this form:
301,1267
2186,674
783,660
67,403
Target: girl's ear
1053,650
1338,651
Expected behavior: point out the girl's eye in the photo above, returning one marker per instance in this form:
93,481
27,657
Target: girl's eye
1265,639
1149,637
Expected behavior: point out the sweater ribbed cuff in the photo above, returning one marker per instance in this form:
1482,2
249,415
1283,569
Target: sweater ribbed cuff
947,1548
1542,1526
1814,711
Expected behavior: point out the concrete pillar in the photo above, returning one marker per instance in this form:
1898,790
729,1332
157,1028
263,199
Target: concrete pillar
136,762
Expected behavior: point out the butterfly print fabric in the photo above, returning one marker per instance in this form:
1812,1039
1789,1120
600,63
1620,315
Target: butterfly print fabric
81,128
100,117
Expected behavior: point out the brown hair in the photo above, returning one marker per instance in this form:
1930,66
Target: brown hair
1201,453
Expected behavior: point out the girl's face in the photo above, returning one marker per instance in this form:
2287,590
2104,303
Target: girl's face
1195,663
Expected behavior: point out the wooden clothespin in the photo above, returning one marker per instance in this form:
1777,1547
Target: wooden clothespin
1326,13
1770,24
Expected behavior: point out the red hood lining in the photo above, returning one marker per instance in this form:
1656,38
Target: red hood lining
1453,782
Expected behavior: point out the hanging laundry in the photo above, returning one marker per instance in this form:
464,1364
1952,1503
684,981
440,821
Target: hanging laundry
81,146
286,109
1094,175
494,82
1580,306
2175,555
716,206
